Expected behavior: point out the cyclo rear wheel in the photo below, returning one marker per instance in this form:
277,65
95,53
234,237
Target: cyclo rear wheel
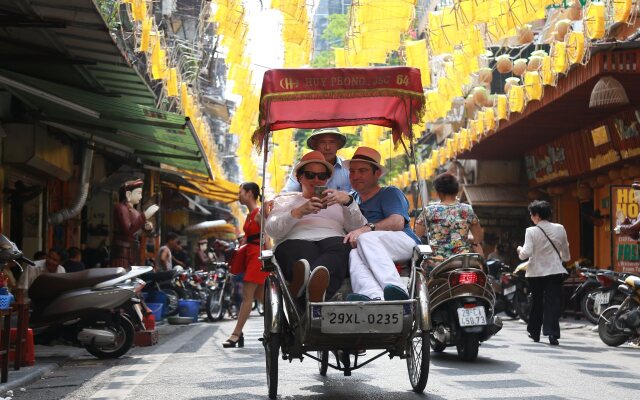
271,340
323,364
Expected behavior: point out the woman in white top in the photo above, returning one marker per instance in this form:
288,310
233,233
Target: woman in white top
546,247
308,231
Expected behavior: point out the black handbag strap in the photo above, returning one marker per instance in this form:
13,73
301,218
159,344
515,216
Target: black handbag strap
550,241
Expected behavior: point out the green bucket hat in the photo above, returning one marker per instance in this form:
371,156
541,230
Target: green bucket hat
311,141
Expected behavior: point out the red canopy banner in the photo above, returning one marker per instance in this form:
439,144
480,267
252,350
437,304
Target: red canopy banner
330,97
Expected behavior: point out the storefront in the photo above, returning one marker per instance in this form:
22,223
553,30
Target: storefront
582,155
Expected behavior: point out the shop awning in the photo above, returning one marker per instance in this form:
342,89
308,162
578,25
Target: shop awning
153,135
216,190
194,205
496,195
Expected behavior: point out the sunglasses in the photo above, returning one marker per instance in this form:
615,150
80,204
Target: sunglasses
321,175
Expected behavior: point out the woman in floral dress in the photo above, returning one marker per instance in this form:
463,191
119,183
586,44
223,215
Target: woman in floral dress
447,224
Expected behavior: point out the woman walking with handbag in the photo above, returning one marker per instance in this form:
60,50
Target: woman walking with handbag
546,247
246,260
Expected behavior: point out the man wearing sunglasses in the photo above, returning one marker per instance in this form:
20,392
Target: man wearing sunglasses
327,141
308,229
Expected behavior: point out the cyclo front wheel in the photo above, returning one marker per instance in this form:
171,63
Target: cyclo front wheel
418,360
271,340
418,348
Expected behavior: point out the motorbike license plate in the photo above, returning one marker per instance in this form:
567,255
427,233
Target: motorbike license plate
602,298
509,290
472,316
362,319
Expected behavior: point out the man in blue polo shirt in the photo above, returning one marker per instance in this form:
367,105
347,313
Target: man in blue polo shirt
327,141
387,237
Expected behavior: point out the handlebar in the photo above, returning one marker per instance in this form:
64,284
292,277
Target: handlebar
26,260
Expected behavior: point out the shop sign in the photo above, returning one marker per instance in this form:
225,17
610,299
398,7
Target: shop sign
546,166
624,250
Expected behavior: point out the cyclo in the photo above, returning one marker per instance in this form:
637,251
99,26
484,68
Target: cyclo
317,98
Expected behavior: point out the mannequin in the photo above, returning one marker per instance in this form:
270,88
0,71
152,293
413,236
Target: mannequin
127,222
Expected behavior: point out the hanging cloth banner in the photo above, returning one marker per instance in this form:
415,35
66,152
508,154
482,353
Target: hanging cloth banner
318,98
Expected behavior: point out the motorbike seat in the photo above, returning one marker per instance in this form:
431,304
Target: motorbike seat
48,285
469,260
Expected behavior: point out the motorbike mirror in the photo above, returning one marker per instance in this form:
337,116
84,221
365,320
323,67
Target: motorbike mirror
26,260
8,250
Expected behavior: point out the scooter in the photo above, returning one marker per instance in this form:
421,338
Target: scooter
96,308
462,305
621,323
502,287
516,290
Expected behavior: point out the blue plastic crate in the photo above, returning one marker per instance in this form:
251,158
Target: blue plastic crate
189,308
156,310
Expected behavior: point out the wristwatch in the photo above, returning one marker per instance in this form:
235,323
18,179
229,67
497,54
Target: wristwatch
348,203
371,226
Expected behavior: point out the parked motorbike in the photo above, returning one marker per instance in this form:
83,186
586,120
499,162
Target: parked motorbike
462,305
516,290
497,270
165,282
596,298
621,323
220,292
96,308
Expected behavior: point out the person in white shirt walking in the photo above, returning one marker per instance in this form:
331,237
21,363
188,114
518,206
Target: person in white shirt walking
546,247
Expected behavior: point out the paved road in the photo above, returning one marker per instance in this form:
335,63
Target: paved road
190,363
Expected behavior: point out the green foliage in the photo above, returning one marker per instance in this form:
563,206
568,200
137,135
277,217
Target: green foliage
334,34
322,59
109,11
396,166
336,30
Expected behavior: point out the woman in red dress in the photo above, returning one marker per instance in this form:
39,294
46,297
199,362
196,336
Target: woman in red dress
253,287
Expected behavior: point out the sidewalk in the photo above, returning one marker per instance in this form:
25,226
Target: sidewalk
49,358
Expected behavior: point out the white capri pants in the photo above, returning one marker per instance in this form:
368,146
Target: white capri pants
372,262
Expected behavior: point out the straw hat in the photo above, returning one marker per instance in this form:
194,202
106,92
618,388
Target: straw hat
311,141
313,157
367,154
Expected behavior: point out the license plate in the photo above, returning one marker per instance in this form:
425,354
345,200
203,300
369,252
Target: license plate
602,298
509,290
472,316
362,319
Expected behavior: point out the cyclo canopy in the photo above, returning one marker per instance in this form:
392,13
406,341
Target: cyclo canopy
330,97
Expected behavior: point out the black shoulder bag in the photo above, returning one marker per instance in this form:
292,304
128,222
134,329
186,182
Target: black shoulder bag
554,247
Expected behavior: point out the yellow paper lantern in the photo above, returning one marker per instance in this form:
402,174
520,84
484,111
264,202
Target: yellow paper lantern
575,47
548,75
594,20
559,57
146,32
516,98
172,82
501,106
489,119
622,10
533,85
